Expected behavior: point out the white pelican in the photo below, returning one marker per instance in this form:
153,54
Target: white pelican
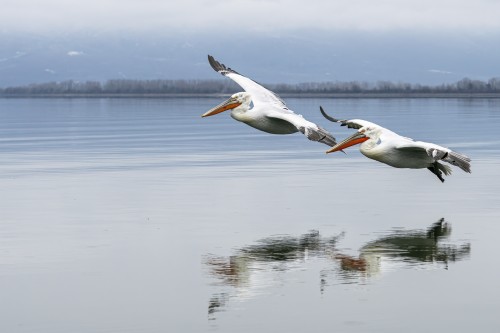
383,145
269,113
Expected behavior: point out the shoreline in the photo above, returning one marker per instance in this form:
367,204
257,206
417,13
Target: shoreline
284,95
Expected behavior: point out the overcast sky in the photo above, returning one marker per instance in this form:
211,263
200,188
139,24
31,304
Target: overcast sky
171,16
424,41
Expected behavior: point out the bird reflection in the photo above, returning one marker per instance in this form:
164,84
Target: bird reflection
234,269
401,248
255,268
416,246
249,268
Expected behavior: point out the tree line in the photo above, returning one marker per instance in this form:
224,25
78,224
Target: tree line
166,87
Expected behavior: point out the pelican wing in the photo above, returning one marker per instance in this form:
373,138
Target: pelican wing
438,153
259,93
459,160
312,131
416,150
353,123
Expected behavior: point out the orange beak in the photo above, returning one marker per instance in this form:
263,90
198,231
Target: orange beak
227,105
350,141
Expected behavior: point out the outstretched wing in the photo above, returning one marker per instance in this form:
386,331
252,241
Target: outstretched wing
353,123
258,92
449,156
438,153
312,131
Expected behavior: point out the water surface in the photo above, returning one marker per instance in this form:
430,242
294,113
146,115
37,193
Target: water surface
137,215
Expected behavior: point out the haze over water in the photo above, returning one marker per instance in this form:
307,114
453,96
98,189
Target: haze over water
137,215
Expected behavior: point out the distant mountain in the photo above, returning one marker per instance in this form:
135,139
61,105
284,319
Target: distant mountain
292,58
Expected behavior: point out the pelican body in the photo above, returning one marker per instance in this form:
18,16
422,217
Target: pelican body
383,145
269,112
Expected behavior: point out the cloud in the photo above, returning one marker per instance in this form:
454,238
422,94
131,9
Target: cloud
265,16
74,53
17,55
438,71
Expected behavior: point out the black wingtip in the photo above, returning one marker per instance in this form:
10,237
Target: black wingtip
323,112
327,116
215,64
220,68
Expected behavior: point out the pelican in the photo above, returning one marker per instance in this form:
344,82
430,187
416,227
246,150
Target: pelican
269,113
383,145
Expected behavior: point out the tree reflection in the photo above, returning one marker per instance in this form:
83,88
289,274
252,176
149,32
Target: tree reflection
254,268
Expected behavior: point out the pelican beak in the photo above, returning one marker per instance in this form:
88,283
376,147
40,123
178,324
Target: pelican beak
354,139
227,105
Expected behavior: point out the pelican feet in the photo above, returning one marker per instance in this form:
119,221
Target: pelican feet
435,170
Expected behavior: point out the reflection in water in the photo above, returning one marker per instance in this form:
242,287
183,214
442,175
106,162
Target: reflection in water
249,269
418,246
256,267
404,248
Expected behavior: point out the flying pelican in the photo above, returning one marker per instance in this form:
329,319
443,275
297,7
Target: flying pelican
383,145
269,113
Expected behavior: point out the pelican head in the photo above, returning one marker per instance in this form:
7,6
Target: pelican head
238,100
363,134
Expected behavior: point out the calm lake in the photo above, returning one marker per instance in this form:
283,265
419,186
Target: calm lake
137,215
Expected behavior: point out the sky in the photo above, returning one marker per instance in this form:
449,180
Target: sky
423,41
272,16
